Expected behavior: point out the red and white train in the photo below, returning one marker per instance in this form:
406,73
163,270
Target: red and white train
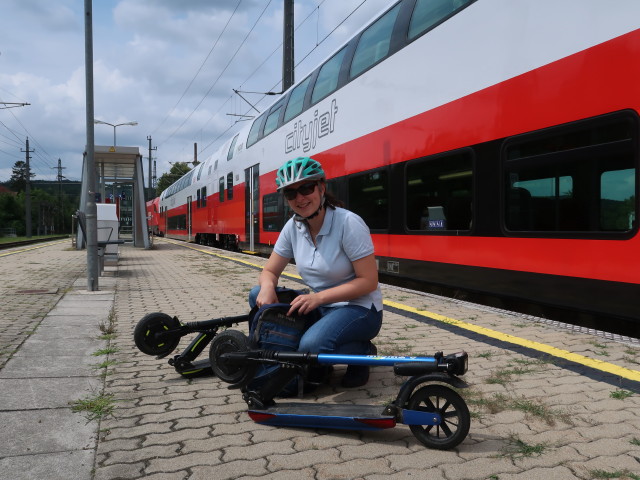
490,145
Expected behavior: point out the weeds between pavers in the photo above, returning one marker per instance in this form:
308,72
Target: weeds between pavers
499,402
105,351
620,394
516,448
94,407
622,474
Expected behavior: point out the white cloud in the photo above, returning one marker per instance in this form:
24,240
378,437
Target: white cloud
146,53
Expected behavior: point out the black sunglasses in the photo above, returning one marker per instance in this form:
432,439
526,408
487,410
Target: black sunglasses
304,189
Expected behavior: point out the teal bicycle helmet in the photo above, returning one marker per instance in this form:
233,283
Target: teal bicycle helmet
298,169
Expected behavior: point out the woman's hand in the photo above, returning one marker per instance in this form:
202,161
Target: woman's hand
266,296
305,303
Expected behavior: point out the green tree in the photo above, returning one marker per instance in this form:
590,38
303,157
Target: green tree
18,180
178,169
11,213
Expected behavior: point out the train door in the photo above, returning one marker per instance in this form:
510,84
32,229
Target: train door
165,215
252,205
189,199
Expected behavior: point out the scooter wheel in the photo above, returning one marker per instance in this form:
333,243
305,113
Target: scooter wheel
148,326
225,342
452,409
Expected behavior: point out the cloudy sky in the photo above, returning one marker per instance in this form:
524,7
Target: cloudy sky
170,65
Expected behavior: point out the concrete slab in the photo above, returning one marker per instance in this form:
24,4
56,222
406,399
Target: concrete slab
45,431
86,321
65,366
49,466
58,328
50,347
39,393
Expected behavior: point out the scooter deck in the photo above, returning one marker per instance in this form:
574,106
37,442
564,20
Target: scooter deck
352,417
197,368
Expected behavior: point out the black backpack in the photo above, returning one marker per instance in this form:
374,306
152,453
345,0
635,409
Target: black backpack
271,329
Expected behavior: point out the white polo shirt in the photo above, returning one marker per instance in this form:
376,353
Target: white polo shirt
343,238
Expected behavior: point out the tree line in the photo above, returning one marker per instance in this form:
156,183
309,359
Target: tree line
52,203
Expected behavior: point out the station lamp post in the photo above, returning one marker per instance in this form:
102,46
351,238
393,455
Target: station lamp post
100,122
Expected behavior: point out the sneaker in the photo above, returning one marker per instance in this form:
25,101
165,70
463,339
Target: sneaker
355,376
358,375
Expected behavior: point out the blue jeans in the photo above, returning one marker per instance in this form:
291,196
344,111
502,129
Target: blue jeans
347,329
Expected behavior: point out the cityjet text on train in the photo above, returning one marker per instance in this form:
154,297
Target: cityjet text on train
305,134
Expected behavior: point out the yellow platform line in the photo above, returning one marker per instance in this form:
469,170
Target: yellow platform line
226,257
623,372
541,347
33,248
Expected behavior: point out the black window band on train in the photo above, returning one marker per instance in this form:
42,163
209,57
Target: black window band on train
368,195
578,179
230,186
439,193
177,222
181,184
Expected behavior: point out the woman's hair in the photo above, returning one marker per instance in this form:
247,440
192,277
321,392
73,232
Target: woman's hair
330,200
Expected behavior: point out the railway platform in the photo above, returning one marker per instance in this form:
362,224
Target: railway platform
547,400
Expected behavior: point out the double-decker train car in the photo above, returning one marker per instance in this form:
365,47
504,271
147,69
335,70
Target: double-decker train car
153,216
490,145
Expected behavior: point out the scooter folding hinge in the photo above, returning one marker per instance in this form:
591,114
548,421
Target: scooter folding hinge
391,410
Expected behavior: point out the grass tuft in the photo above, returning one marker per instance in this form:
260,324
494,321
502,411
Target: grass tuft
94,407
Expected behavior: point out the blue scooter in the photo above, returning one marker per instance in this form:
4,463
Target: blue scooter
436,414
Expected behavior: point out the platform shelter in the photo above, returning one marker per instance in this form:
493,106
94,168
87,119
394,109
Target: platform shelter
118,166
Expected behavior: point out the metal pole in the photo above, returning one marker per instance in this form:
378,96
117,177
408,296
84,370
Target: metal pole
288,77
27,192
93,270
114,135
149,190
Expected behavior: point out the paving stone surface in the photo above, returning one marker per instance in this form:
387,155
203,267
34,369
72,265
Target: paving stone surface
534,415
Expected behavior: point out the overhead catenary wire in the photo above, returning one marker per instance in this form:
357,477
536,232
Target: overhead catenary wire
219,76
200,68
264,95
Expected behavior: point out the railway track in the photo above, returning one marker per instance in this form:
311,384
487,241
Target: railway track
23,243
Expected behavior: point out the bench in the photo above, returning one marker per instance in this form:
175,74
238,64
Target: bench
102,244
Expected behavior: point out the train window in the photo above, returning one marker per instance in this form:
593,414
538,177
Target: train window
272,119
374,43
439,190
369,198
296,100
177,222
617,200
327,80
427,14
574,178
204,196
221,189
272,218
254,133
232,147
198,198
230,186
